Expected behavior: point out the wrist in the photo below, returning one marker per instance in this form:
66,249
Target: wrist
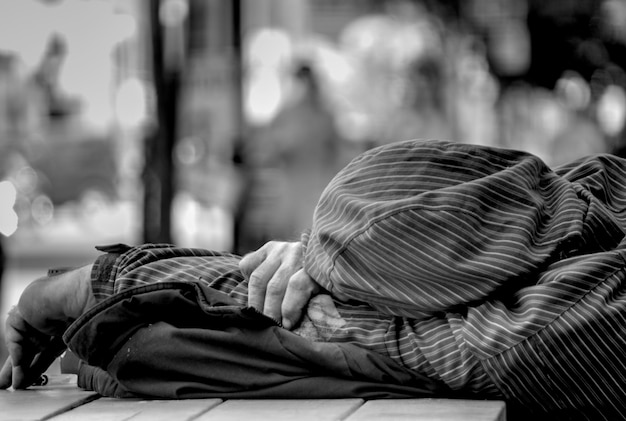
51,303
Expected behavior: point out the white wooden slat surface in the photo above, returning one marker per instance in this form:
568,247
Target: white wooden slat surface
430,410
108,409
283,410
39,403
63,401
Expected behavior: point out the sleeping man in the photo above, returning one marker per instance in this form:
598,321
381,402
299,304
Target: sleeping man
431,269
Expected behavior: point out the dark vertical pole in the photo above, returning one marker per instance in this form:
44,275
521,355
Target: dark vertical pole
239,136
237,40
159,182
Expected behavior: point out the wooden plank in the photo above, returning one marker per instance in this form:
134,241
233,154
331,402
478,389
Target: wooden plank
430,410
41,402
109,409
283,410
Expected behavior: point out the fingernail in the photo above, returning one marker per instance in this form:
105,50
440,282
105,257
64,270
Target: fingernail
287,324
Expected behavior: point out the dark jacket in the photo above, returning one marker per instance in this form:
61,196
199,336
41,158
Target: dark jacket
185,340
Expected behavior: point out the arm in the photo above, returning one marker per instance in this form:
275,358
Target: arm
50,304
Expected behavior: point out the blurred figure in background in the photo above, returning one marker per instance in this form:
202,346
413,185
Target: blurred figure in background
46,77
422,112
291,159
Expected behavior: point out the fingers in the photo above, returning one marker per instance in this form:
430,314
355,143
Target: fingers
15,336
274,294
6,374
259,281
18,380
300,289
279,284
269,271
23,376
40,363
11,375
21,347
30,352
251,261
269,268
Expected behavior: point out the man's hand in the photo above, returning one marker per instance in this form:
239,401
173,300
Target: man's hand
31,352
34,327
277,284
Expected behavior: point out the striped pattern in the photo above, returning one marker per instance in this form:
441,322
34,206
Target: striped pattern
479,267
500,275
152,263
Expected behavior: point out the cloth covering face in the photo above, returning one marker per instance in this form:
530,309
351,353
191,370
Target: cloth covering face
460,221
492,263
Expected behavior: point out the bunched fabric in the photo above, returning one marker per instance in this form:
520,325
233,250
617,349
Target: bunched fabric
170,324
492,264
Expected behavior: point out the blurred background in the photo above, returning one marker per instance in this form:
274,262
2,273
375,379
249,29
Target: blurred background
216,123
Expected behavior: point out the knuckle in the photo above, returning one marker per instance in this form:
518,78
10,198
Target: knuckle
272,246
257,279
274,289
255,290
254,258
244,264
282,274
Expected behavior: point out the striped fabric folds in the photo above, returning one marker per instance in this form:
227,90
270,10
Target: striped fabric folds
483,267
153,263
